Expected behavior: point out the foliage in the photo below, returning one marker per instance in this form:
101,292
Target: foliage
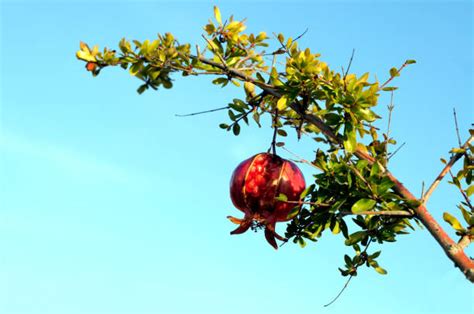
353,192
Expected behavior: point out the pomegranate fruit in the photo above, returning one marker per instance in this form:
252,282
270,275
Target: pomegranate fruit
254,187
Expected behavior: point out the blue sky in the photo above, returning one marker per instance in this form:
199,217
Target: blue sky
111,204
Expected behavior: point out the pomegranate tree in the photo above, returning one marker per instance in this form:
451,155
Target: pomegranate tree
254,187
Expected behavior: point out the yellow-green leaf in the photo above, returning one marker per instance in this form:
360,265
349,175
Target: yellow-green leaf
85,55
217,15
470,190
380,270
363,205
453,221
282,103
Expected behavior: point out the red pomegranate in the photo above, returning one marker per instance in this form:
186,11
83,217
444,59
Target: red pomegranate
254,186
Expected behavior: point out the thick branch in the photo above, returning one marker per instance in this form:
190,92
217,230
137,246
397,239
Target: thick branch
460,259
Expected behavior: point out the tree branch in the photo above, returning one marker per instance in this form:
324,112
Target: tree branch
460,259
402,213
445,171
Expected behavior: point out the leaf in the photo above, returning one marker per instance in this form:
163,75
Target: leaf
355,237
375,255
375,170
293,212
348,260
282,103
281,197
236,129
389,88
457,151
335,229
453,221
308,190
394,72
282,132
362,205
410,61
217,15
380,270
280,144
468,216
281,38
142,88
301,242
350,140
256,118
470,190
223,126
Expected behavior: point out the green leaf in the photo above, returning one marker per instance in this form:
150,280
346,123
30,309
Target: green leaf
375,170
410,61
470,190
293,212
223,126
355,237
301,242
217,15
453,221
281,197
348,260
256,118
389,88
282,103
350,140
375,255
380,270
142,88
282,132
394,72
308,190
363,205
468,216
236,129
384,186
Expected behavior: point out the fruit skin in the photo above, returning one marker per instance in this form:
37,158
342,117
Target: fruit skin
91,66
255,184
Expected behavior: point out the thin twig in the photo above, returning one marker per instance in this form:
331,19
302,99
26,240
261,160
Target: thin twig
350,63
307,203
340,292
348,280
301,35
396,151
275,131
457,128
445,170
465,241
301,159
201,112
392,77
390,110
381,213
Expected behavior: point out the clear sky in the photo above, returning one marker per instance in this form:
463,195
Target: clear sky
111,204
